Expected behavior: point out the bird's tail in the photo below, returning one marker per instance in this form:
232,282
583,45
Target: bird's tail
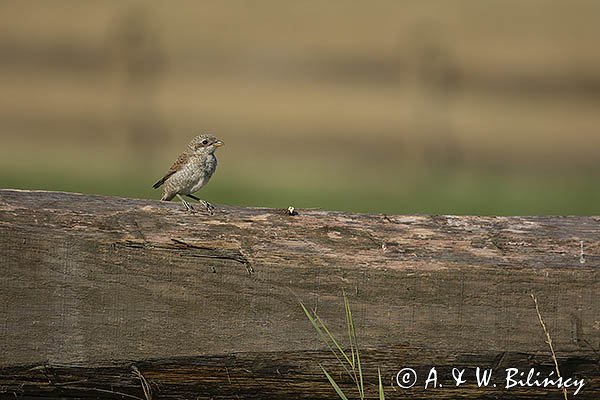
158,183
164,178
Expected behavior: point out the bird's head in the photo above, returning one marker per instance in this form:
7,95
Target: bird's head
204,144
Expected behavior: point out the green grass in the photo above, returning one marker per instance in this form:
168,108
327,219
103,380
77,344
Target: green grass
349,361
425,192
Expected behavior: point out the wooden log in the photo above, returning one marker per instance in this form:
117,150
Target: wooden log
208,305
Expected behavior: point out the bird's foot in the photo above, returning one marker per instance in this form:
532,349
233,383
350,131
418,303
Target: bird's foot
188,206
209,207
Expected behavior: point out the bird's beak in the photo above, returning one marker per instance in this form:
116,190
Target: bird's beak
218,143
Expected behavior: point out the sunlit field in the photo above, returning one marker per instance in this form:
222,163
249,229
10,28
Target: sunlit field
462,107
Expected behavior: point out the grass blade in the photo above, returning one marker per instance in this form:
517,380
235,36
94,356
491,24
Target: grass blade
381,394
349,325
354,348
353,361
335,342
320,326
361,386
333,383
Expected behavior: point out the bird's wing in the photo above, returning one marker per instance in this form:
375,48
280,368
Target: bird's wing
177,165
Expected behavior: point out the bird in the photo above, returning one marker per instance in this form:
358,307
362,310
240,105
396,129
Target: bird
191,171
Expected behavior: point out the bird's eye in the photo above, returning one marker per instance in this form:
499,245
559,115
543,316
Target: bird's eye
205,142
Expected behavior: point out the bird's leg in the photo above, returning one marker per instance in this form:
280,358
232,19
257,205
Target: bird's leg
209,207
187,205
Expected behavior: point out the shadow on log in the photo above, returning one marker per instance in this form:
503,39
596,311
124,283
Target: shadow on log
96,288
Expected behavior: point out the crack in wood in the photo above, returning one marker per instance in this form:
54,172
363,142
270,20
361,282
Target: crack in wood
237,257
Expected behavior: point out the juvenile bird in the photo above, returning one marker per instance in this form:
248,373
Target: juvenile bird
191,171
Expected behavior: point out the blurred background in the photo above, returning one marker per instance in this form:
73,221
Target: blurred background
461,107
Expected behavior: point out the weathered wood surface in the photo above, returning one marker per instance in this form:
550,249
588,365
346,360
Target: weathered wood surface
207,305
285,375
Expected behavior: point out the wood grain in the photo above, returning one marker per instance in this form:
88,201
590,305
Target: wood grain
99,283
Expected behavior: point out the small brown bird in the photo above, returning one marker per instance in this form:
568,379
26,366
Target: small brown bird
191,171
